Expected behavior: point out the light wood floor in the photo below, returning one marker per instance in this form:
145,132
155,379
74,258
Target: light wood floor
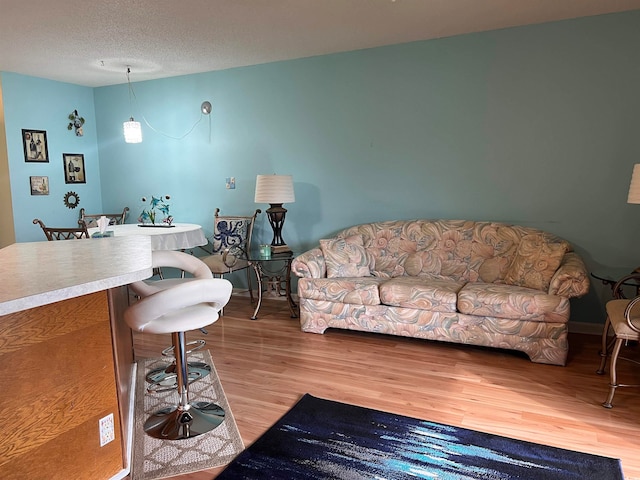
267,364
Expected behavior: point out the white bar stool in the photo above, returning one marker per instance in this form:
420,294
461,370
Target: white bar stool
164,378
186,306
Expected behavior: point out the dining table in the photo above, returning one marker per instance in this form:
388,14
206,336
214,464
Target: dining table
177,236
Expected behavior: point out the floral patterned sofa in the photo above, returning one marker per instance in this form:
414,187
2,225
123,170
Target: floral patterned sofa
479,283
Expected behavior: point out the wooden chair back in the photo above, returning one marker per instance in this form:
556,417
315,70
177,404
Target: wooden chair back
91,220
55,233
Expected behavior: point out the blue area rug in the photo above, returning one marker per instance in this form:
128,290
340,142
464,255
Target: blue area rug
322,439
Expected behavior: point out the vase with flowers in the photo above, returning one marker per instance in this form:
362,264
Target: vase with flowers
156,213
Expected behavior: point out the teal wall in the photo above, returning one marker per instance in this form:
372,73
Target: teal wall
37,104
534,125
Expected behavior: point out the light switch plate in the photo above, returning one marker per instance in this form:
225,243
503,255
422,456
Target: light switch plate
231,183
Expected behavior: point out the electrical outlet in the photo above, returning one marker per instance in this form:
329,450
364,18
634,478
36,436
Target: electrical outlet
231,183
107,430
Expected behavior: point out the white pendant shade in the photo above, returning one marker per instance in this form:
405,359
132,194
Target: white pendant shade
274,189
634,187
132,131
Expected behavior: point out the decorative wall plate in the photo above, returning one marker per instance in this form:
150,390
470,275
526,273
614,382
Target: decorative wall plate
76,123
71,200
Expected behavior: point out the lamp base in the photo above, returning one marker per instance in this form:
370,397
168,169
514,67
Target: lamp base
276,214
280,248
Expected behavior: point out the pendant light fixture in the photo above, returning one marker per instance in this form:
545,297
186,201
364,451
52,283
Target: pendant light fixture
132,129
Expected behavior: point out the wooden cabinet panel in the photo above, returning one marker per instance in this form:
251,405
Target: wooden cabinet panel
58,380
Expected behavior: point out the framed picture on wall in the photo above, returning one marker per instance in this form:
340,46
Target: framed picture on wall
35,145
73,168
39,185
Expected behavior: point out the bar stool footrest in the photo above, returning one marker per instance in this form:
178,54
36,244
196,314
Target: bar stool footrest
163,379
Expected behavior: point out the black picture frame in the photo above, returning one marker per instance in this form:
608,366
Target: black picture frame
39,185
73,164
35,146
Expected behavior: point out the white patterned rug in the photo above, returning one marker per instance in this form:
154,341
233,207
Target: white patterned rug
154,458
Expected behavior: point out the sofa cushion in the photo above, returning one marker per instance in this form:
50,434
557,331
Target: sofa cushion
357,291
512,302
422,293
535,262
346,257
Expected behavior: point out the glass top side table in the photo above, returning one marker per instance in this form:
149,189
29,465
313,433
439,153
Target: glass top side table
610,276
274,273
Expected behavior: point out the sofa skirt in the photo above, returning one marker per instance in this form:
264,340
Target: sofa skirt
542,342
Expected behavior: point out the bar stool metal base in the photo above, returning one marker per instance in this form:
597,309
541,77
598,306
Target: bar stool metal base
176,423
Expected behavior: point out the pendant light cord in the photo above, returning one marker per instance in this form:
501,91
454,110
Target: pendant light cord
132,94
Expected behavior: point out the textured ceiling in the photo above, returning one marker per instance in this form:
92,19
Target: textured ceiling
91,43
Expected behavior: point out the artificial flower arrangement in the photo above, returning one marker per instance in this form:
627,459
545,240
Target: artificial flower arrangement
156,205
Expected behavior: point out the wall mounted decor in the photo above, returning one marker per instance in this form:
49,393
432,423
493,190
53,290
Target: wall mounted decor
76,123
71,200
35,145
73,168
39,185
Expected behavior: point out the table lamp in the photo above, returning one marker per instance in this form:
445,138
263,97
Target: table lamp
275,190
634,190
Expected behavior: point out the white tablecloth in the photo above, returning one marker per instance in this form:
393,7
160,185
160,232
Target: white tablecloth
178,237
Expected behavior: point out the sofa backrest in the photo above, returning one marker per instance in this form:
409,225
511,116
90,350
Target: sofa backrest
458,249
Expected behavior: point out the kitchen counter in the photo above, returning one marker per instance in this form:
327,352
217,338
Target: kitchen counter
66,357
39,273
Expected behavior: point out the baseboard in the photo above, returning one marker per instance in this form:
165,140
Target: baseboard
586,328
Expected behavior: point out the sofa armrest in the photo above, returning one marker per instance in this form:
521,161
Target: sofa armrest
571,279
310,264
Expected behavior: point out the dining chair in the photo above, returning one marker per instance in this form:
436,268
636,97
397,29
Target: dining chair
623,319
58,233
114,218
231,243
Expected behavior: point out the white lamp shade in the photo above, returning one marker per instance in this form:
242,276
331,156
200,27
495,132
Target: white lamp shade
634,187
274,189
132,131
